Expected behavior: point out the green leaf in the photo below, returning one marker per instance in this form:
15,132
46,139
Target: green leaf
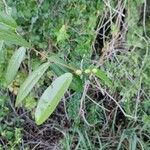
62,34
1,45
102,75
8,31
1,52
7,28
30,82
76,83
133,142
59,70
12,37
51,97
14,64
7,20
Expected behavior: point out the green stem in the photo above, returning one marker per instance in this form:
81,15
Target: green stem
54,61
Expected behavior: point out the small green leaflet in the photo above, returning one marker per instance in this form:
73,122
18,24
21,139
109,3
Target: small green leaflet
62,34
51,97
30,82
102,75
14,64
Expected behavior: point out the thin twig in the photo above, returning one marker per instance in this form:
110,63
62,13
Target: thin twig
86,85
126,115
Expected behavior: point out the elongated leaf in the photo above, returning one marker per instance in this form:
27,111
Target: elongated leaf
102,75
30,82
51,97
7,31
1,45
7,20
14,64
133,142
1,51
12,37
7,28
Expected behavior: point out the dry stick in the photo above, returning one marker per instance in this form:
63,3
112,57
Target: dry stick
12,106
115,37
140,72
64,102
129,78
120,7
4,145
99,86
138,99
115,10
103,24
60,130
35,146
83,116
83,96
144,20
126,115
97,103
81,111
146,54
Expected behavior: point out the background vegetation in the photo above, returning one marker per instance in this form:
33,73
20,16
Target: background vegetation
93,114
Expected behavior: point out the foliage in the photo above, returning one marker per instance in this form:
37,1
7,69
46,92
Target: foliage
51,97
14,64
32,79
10,129
106,104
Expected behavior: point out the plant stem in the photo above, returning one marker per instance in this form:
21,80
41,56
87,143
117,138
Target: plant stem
53,61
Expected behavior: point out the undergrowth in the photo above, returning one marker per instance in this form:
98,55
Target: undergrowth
112,35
